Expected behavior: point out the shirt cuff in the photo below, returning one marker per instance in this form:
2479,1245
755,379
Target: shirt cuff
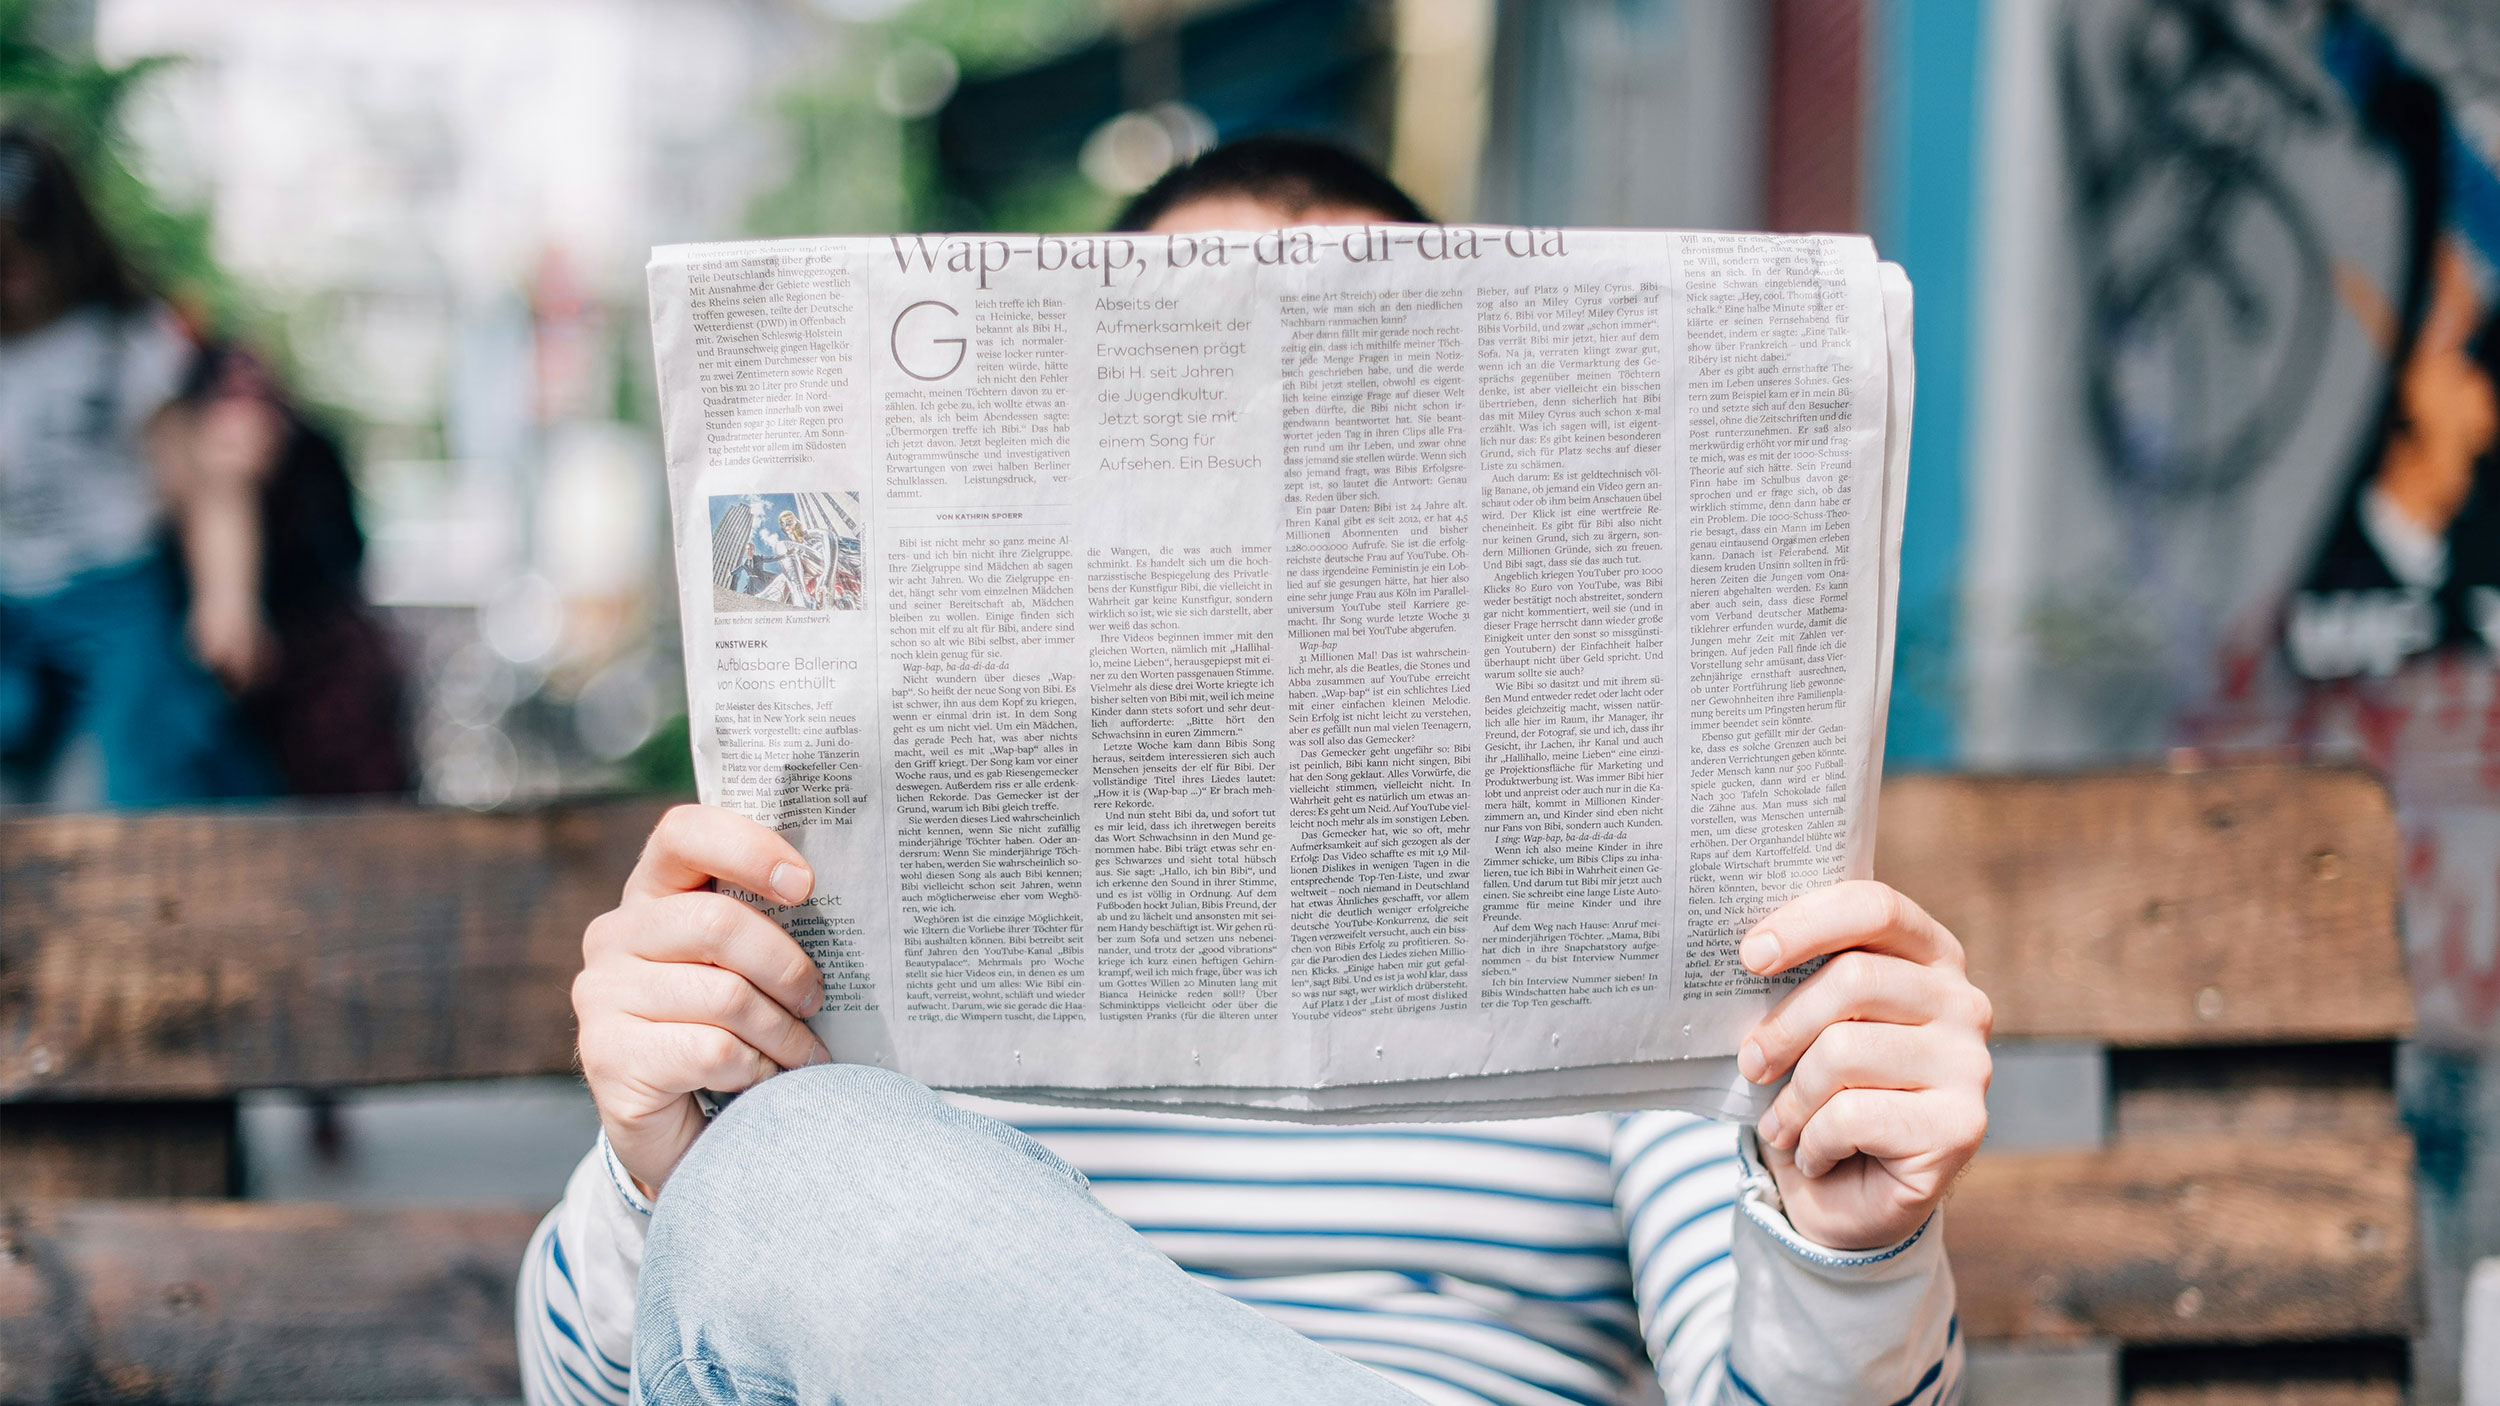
1838,1327
621,1180
1759,1199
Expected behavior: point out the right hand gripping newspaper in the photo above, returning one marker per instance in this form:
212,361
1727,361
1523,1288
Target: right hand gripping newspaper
1333,673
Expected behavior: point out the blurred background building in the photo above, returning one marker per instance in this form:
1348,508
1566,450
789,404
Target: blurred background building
2203,284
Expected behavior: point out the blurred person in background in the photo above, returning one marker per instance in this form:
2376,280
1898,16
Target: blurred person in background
325,693
178,547
96,463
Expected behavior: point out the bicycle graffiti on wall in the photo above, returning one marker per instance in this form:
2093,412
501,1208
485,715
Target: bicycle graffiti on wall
2216,279
2208,294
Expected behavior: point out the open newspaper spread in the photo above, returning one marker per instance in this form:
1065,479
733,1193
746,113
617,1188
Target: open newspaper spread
1336,672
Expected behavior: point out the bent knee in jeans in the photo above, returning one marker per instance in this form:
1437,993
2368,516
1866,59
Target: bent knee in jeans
831,1191
841,1234
830,1132
838,1198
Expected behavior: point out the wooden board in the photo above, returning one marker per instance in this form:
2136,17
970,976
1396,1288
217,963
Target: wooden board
190,954
2186,1240
2234,906
233,1302
183,954
2256,1092
2189,1240
2362,1373
2384,1391
152,1148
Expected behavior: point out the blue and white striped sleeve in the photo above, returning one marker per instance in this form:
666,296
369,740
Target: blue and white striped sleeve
574,1310
1738,1309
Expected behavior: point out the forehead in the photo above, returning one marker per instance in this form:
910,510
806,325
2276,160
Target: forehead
1248,213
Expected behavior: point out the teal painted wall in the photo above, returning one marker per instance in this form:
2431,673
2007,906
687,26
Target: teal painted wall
1925,150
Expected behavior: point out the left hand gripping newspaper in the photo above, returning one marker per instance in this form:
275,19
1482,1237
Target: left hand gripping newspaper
1328,673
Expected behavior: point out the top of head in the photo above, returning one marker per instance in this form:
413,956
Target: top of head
1259,183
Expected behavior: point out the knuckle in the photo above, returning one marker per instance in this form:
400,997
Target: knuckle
717,1050
610,933
1786,1105
1815,1067
802,974
1844,1109
668,836
676,823
1816,1140
719,996
593,1061
718,918
1858,974
1980,1011
1966,1126
1949,945
600,1051
1777,1032
1856,1046
597,993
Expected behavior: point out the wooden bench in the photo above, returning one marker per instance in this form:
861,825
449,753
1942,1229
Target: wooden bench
2242,1229
2225,943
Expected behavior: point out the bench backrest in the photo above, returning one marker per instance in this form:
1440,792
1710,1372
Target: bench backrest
2221,945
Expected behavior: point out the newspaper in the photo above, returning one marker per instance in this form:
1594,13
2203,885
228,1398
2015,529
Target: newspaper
1332,672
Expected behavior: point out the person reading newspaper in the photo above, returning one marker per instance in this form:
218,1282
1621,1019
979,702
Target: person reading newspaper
841,1233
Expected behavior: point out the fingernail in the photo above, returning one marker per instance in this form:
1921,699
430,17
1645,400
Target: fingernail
813,1001
1760,951
792,883
1750,1063
820,1055
1769,1127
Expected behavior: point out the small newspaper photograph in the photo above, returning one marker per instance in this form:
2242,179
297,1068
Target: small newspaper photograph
1331,673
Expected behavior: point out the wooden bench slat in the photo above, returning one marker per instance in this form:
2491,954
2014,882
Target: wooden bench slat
2252,1196
375,945
2235,906
2346,1373
187,954
152,1148
2382,1391
2184,1239
2189,1240
2258,1092
232,1302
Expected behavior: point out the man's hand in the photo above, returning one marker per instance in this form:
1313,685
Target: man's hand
1888,1044
684,988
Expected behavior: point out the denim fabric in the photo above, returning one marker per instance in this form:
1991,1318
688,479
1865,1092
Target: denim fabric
106,655
841,1235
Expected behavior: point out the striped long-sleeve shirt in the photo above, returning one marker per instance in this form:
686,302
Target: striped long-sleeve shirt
1589,1260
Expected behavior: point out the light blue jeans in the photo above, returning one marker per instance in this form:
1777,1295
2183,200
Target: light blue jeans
841,1235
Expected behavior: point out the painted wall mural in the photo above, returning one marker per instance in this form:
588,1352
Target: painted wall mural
2284,384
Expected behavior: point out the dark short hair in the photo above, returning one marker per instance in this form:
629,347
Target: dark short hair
1294,173
41,199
